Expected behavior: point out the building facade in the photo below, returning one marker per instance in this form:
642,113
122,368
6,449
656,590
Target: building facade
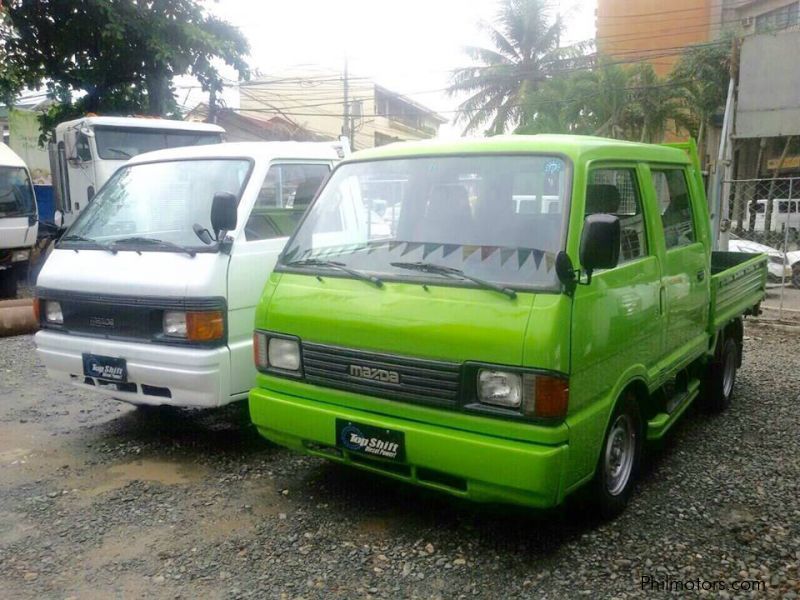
315,102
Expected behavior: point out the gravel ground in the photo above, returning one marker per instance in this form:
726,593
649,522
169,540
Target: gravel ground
98,500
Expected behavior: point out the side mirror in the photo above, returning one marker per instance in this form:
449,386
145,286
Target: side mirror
600,242
223,212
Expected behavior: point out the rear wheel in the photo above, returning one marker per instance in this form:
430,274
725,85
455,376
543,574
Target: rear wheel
721,376
620,457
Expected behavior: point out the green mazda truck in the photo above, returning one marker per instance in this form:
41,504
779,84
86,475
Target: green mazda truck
507,319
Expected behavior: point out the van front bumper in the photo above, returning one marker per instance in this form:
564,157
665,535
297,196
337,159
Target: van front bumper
479,467
157,374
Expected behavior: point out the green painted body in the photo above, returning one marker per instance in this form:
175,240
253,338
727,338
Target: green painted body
635,325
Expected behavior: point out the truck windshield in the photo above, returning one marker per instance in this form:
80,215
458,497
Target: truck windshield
16,193
161,200
498,218
120,143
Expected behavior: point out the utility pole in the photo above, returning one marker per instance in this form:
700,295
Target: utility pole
346,125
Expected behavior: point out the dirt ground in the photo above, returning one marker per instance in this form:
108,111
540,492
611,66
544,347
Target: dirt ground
99,500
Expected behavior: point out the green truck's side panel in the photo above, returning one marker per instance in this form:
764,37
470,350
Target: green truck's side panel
634,327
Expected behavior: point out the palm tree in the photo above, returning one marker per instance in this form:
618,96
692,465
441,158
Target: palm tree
655,103
526,52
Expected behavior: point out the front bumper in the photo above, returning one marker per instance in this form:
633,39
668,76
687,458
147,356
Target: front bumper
475,466
157,374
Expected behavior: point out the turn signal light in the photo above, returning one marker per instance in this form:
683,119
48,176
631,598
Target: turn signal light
551,397
37,309
205,326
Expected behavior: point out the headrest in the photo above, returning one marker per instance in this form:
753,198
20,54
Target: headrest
452,199
602,198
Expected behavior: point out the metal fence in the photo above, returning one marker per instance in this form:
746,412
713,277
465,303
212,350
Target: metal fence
763,215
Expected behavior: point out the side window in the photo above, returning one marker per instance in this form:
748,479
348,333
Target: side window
82,148
615,191
285,195
676,209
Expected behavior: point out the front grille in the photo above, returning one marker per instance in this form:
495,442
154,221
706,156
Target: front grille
124,317
383,375
127,322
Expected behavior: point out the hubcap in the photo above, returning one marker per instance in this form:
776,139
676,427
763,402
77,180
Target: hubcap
619,454
728,372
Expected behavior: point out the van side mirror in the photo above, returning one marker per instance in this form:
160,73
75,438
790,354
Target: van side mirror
600,242
223,212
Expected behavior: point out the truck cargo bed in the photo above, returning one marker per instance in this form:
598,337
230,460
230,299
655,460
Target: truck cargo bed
738,282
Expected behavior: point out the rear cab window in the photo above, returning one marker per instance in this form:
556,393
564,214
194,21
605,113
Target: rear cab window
285,194
615,190
675,206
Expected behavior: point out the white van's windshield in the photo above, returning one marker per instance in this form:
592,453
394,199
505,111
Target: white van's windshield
16,193
498,218
161,201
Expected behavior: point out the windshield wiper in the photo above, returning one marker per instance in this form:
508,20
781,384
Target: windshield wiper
314,262
427,267
79,238
118,151
155,242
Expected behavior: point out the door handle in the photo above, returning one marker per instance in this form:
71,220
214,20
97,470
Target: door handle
701,274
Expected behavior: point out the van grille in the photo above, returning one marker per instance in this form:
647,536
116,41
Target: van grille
383,375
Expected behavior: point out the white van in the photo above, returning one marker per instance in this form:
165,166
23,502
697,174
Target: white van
150,295
785,213
19,222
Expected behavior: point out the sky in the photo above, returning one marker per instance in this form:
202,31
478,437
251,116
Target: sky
410,46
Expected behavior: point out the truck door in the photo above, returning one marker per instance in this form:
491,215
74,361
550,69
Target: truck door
685,271
616,321
285,194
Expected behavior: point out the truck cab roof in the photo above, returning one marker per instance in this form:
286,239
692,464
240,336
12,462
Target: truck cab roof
9,158
575,147
258,151
143,123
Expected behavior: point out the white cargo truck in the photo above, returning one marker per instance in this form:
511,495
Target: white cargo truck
87,151
18,220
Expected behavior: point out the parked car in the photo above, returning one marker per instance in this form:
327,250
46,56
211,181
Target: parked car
778,264
149,296
793,258
496,353
18,220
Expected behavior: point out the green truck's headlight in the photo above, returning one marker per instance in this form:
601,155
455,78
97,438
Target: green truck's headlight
535,395
276,353
500,388
284,354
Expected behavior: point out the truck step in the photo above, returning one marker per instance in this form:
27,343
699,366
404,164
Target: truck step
660,423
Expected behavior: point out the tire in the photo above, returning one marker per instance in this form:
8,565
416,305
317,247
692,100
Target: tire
620,459
8,283
796,274
721,377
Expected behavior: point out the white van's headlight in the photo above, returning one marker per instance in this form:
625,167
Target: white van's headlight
52,312
175,323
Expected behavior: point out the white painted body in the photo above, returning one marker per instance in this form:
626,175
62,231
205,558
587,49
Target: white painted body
17,233
785,214
195,376
87,170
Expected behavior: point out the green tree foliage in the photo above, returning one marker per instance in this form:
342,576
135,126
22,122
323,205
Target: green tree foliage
703,73
525,53
114,56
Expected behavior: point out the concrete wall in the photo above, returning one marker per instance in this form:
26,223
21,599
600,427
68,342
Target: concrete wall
769,87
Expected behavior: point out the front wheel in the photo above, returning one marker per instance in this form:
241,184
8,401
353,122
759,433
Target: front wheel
721,377
796,274
619,458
